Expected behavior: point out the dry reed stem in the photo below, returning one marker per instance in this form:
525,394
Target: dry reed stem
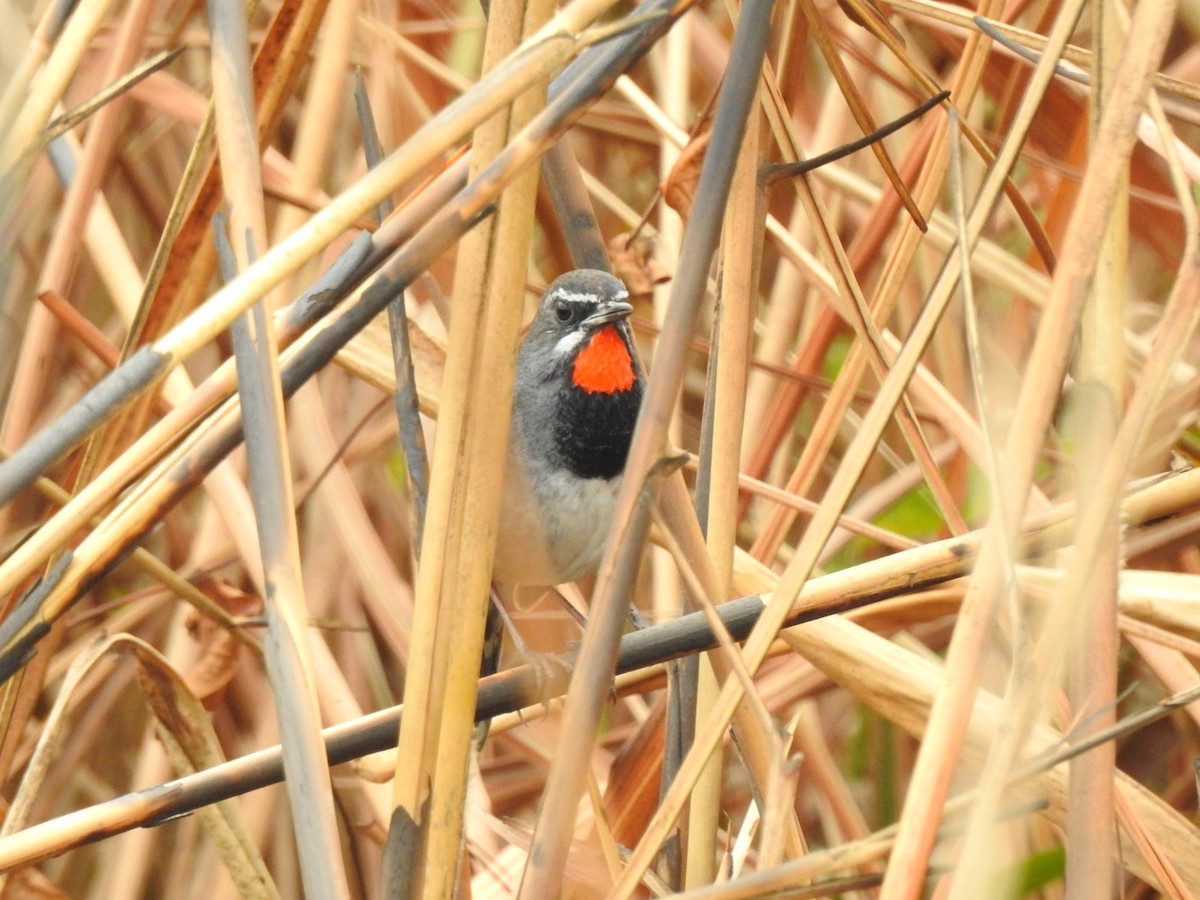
1092,672
735,316
286,648
464,502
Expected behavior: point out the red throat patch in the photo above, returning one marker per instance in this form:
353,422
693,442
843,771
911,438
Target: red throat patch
604,365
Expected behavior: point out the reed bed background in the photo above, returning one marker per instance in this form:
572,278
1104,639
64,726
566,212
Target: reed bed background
976,493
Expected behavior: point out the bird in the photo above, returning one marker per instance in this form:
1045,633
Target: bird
576,396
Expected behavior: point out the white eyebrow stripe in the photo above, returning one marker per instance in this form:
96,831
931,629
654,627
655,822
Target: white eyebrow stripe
573,297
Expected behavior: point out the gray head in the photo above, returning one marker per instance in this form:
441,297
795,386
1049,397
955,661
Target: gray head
579,385
574,307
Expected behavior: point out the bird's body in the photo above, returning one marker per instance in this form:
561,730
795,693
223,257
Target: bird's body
575,402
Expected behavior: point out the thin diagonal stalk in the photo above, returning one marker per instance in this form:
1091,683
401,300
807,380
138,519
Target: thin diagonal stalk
404,397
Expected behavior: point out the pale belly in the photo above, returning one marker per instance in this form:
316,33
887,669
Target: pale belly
552,531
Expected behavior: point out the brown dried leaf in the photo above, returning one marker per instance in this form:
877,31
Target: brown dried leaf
634,263
187,735
632,792
219,659
680,187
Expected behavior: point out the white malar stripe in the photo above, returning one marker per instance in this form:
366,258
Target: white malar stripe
569,341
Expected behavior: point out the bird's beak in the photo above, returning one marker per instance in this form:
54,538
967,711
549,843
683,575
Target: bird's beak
611,311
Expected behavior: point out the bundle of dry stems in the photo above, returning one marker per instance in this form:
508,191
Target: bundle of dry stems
927,406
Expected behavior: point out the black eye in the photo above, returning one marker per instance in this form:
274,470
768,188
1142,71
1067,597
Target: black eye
563,311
